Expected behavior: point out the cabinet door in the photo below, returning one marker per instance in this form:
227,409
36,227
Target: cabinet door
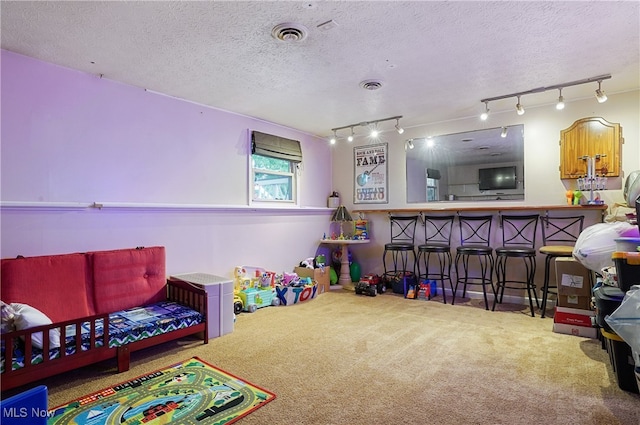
590,137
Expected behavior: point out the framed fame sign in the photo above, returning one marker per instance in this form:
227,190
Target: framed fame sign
370,184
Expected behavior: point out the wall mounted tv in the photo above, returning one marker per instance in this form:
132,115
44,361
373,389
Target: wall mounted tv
498,178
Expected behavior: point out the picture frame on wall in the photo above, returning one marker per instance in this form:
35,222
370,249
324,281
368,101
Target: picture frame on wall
370,182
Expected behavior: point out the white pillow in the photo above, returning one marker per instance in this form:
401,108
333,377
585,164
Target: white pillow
29,317
8,314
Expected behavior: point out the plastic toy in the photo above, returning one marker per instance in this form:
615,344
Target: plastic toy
363,287
370,284
288,278
355,272
333,276
238,305
569,195
254,299
255,287
411,292
576,197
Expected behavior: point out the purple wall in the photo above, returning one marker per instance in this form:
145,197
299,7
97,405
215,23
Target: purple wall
71,137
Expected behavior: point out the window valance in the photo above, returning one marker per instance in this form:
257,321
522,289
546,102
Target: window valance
276,147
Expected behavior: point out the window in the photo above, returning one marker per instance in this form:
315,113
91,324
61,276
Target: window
433,187
274,168
432,190
274,179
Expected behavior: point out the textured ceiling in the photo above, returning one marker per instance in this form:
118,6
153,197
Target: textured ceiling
436,60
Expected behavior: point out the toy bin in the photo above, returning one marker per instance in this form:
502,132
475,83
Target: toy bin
607,300
627,268
622,361
400,283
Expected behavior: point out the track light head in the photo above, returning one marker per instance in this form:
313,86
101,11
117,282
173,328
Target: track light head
350,138
485,114
430,142
333,138
374,131
399,129
519,107
504,132
560,104
600,95
410,144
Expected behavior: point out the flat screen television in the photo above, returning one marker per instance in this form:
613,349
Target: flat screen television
498,178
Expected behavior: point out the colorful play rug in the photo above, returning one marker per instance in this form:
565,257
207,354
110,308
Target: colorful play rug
192,392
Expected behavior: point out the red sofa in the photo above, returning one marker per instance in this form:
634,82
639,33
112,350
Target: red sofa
80,293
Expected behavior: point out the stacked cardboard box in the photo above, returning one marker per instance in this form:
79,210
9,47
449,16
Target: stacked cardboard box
573,314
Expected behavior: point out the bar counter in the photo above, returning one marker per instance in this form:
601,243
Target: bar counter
452,208
370,255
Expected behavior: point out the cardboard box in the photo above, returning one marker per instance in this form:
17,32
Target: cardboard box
574,301
574,316
583,331
320,275
572,277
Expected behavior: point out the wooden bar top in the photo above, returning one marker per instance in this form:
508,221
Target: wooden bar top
452,208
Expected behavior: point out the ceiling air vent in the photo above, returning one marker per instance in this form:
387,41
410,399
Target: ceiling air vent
371,84
289,32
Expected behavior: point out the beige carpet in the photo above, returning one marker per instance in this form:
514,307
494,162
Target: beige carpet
351,359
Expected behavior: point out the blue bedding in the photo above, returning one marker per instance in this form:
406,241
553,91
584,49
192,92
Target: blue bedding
125,326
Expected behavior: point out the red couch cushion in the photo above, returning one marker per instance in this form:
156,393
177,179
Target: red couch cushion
57,285
128,278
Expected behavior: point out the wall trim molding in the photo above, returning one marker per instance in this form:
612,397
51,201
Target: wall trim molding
141,206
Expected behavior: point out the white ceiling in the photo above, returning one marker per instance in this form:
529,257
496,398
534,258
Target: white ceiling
436,60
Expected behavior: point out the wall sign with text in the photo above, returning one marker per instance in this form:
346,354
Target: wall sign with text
370,174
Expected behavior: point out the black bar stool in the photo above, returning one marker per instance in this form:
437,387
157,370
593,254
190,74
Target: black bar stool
437,241
518,241
559,235
475,242
403,231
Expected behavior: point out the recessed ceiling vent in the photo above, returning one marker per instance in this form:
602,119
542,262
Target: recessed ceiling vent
371,84
289,32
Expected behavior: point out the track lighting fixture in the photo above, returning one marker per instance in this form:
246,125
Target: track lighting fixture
600,94
519,107
409,144
399,129
560,105
504,132
372,125
485,114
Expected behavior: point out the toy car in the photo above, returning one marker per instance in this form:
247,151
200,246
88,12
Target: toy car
370,284
254,299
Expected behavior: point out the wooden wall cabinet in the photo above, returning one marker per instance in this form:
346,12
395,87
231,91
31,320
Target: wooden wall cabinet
591,137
